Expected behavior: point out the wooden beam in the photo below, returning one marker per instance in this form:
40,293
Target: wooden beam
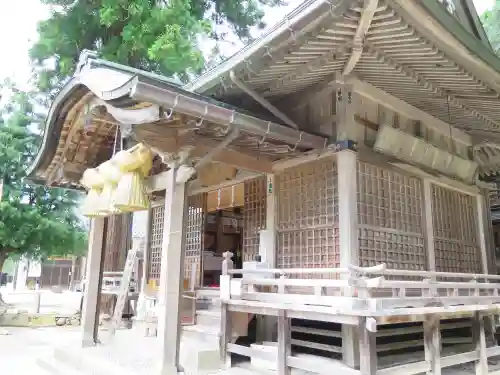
203,146
194,187
367,14
400,106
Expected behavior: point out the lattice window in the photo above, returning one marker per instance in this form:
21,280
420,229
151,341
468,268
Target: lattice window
456,245
194,234
254,216
308,216
158,215
390,219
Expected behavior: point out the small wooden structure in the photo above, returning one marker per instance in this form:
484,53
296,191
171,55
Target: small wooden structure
363,133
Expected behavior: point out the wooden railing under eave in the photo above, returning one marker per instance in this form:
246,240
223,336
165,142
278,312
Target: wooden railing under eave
365,298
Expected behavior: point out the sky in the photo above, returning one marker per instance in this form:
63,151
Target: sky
18,20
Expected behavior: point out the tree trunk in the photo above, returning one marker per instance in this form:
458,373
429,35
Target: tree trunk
3,258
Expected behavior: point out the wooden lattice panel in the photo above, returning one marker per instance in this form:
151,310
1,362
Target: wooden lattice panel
254,216
158,215
390,219
308,235
194,235
456,245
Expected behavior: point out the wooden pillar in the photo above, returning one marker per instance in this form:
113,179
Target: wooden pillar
481,231
479,337
172,274
432,343
348,228
226,328
428,223
266,325
267,249
490,242
284,343
146,257
90,319
367,349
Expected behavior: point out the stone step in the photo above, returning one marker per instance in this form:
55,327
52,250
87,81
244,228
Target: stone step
208,317
203,333
83,361
53,367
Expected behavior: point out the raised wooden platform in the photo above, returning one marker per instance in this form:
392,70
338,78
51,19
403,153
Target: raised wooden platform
365,298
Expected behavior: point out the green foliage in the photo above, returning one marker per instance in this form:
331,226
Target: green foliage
491,24
155,35
34,220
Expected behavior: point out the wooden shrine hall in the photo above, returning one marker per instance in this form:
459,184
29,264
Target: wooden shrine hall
321,195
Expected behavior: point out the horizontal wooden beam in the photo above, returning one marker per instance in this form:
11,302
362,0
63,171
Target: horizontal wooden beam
202,147
195,187
400,106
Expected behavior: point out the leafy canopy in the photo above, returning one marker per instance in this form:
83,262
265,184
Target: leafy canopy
34,220
160,36
491,24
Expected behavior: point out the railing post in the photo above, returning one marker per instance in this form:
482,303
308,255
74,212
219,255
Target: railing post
284,336
37,301
226,323
432,343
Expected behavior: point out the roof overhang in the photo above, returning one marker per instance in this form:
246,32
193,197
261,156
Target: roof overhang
81,128
413,50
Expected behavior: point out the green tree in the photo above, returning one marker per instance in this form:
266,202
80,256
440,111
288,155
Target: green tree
155,35
491,24
34,221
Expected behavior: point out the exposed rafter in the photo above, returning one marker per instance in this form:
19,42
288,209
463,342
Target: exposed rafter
262,101
367,14
309,67
429,85
297,40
